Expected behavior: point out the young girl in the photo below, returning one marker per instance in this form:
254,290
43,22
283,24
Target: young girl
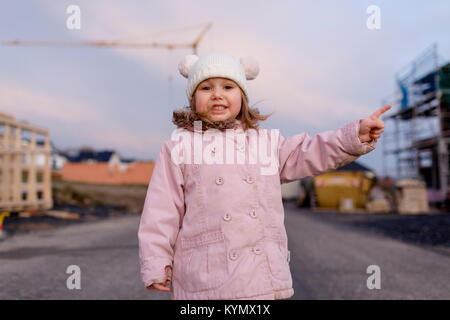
213,227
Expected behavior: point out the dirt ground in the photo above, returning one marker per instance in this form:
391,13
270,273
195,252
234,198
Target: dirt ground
84,202
128,197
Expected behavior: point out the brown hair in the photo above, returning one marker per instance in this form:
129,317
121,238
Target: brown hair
248,115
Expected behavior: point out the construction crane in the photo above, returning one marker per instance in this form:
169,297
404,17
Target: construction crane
116,44
124,44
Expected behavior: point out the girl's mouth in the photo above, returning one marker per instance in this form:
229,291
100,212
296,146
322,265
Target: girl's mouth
218,109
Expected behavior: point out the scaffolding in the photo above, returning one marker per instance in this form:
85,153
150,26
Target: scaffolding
418,145
25,175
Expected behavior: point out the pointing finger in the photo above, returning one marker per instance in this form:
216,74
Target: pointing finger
374,124
379,112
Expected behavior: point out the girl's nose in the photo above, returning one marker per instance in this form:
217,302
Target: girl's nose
217,93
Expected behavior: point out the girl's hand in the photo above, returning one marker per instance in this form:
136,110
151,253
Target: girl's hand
372,127
163,286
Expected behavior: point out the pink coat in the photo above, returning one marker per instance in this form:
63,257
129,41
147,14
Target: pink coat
221,226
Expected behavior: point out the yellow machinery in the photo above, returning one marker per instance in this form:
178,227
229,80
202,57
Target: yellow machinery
338,187
3,215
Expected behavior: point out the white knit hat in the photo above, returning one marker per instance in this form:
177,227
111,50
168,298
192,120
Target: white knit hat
217,65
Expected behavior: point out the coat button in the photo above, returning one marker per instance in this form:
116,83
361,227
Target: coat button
219,180
233,255
250,179
257,250
253,213
227,216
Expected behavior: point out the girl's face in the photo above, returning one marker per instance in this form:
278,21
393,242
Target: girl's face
218,99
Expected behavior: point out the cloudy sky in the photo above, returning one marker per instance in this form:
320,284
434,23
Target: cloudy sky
321,66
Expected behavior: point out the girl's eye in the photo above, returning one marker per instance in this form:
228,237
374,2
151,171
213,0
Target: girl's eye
208,88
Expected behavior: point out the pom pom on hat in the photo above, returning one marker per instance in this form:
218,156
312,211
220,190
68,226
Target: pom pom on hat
251,67
185,65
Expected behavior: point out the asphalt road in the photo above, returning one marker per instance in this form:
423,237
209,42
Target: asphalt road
328,261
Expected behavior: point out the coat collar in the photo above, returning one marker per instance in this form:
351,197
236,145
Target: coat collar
185,117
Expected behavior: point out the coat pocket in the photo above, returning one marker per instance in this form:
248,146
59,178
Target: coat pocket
203,262
278,260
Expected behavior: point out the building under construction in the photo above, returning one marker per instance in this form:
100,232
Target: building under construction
25,177
416,142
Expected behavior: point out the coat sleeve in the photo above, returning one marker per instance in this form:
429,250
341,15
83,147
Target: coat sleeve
161,218
301,156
